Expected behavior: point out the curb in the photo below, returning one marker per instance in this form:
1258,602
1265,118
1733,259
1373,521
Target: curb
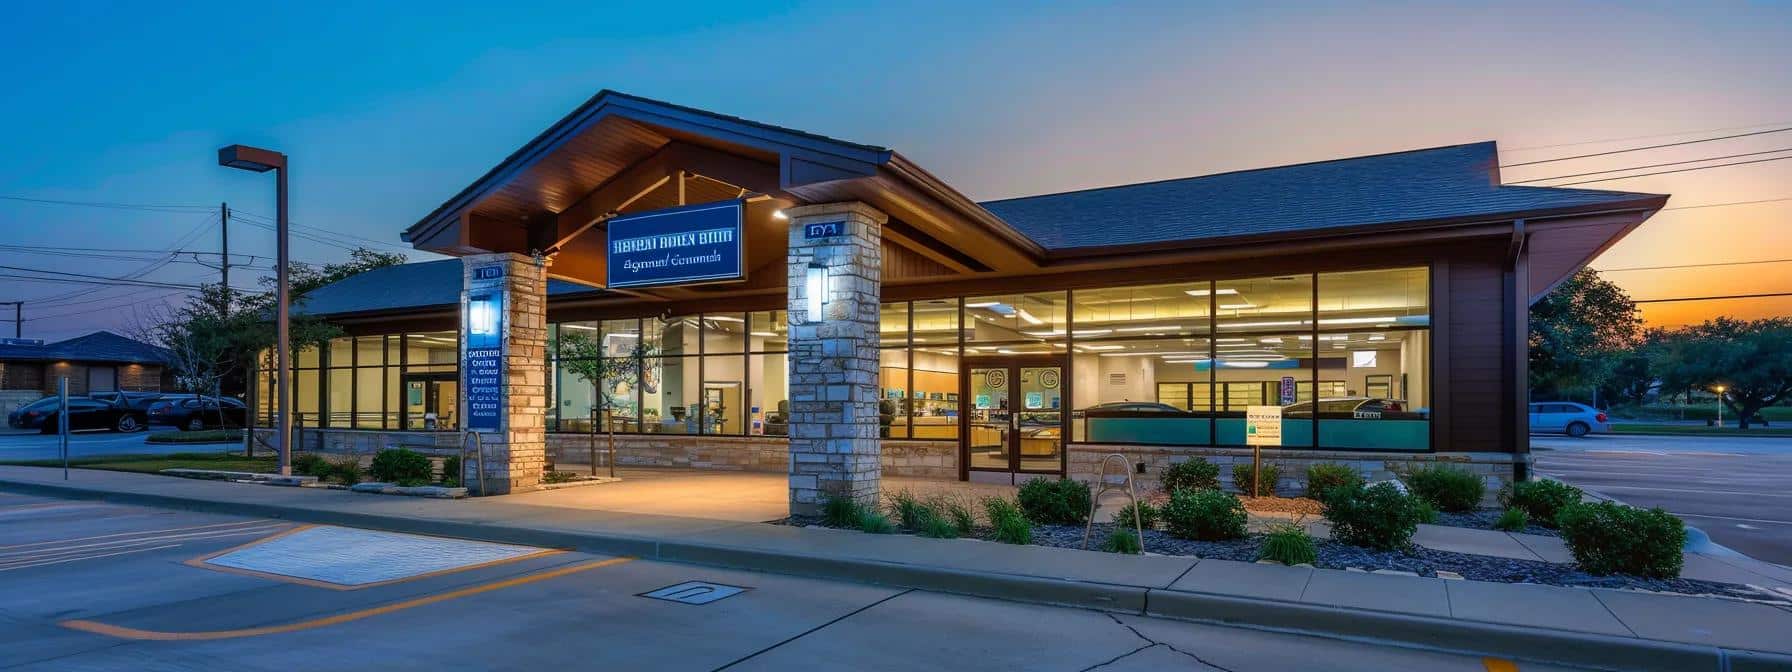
1514,642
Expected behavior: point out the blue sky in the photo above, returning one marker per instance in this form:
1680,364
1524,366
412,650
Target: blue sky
389,108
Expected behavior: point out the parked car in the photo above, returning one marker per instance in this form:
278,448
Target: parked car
1567,417
1361,408
83,413
197,413
1125,409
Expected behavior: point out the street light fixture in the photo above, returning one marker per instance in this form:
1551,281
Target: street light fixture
1720,406
259,160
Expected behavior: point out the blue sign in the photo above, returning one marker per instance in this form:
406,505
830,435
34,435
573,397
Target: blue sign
492,272
824,230
483,368
677,246
1287,390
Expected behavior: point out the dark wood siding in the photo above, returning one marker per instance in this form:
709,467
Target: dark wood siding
1471,366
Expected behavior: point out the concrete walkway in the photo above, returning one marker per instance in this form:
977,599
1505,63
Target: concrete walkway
1576,626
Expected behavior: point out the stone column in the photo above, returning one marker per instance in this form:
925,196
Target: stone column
503,378
833,356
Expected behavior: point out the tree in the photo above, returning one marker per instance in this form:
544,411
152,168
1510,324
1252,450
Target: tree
1752,360
585,356
1578,332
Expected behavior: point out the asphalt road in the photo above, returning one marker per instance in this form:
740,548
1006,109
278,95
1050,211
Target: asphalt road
1736,489
93,586
18,445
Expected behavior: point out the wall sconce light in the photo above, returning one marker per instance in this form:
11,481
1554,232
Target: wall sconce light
817,290
482,317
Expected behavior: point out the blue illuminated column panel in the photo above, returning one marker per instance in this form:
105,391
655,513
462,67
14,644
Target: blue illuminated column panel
503,392
835,286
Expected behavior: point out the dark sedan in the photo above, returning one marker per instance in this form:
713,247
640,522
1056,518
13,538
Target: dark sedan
196,413
83,413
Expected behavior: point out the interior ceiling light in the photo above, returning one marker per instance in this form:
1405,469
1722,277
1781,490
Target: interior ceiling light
983,304
1252,325
1238,306
1028,317
1223,291
765,334
1355,320
1159,327
582,327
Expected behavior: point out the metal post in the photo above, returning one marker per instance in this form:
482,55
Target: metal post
1257,454
62,422
18,319
591,441
282,322
224,252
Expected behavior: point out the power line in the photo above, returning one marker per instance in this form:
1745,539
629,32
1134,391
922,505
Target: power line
1639,149
1669,172
1642,137
1714,298
106,281
111,206
1653,165
1705,265
151,267
1725,205
89,276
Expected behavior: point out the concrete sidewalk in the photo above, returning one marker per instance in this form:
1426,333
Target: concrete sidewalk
1588,627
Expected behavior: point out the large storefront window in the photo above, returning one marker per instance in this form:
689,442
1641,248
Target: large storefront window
391,381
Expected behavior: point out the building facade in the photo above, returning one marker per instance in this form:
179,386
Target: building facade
98,362
757,298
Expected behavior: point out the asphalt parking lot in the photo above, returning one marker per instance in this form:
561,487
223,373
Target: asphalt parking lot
1736,489
16,445
94,586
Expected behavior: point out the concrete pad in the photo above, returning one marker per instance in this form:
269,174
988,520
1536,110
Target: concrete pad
347,556
1247,579
1550,549
1533,605
1697,620
1362,590
896,635
1475,542
1713,568
1245,649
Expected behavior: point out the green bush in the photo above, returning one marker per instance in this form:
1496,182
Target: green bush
1055,501
1446,487
1378,516
1323,476
958,513
1205,515
311,464
1427,512
1512,520
1195,474
842,512
1241,478
1542,501
875,523
402,466
348,470
1147,519
451,471
1610,538
936,526
1009,522
999,508
1122,540
1289,544
910,511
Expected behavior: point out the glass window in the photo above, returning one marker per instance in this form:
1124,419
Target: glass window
893,407
370,396
1274,370
724,333
342,352
723,384
1158,310
770,376
770,332
369,351
575,397
340,395
1390,298
1381,395
933,402
936,322
305,357
1015,317
893,323
1120,388
1281,303
432,351
675,336
668,396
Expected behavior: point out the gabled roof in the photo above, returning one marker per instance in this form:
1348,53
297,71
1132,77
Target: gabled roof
1441,184
405,286
99,346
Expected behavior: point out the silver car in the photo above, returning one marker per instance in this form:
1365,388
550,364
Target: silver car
1567,417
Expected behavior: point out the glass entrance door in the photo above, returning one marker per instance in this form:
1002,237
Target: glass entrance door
1014,410
431,401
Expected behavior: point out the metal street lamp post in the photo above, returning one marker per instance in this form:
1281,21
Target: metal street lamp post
260,161
1720,406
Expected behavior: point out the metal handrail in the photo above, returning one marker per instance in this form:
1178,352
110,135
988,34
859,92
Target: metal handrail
1101,476
478,458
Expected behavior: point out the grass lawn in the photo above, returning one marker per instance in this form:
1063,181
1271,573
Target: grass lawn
1697,430
149,464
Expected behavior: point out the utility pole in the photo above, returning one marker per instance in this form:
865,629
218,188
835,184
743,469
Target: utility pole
224,252
18,317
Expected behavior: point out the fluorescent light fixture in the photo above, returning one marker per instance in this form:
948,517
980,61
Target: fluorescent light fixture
1378,337
1101,347
722,318
1356,320
1233,340
1028,317
1253,325
1237,306
1005,351
580,327
1245,365
983,304
1158,327
1223,291
779,215
765,334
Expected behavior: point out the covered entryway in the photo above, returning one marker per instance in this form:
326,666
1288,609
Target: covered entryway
1015,418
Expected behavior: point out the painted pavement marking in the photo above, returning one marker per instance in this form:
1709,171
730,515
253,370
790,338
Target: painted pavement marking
695,592
346,558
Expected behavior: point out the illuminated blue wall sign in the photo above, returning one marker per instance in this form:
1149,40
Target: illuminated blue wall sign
488,272
483,369
676,246
824,230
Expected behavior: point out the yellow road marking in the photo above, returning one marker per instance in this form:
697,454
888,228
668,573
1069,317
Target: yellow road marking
153,635
84,557
202,562
130,534
1499,665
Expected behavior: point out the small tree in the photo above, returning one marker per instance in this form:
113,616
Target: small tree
585,357
1578,333
1752,360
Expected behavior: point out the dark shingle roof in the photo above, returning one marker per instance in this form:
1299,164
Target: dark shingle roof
416,285
1441,183
99,346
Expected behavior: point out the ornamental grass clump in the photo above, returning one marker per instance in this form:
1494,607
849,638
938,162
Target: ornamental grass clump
1195,474
1289,544
1512,520
935,526
348,471
909,510
1008,524
842,512
1205,515
1241,478
1122,540
955,510
1379,516
1446,487
1610,538
1055,501
875,523
451,471
1323,476
1542,501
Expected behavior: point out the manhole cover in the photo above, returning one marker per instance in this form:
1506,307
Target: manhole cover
354,558
695,592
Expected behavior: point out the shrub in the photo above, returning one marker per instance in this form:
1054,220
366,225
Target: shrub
999,508
348,471
875,523
1542,501
451,470
1289,544
1241,477
1378,516
1147,519
910,511
1512,520
958,513
1323,476
553,477
1195,474
1610,538
1205,515
1014,530
1427,512
1055,501
311,464
402,466
936,526
842,512
1445,487
1122,540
